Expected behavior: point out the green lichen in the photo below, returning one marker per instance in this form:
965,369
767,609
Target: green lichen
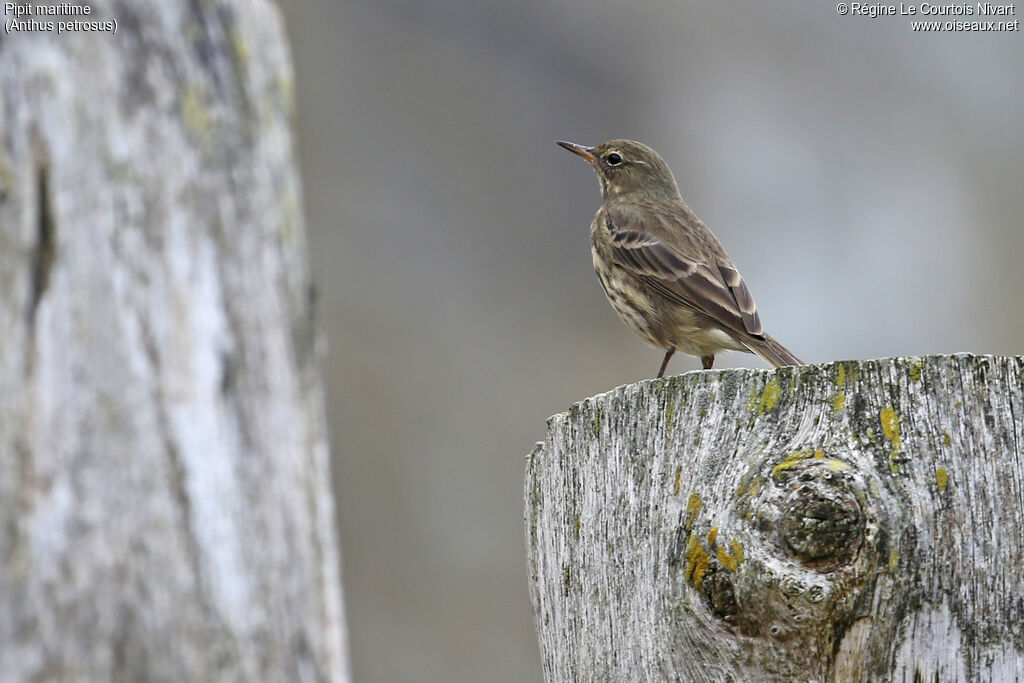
670,415
241,50
292,213
286,86
894,560
839,402
769,397
941,478
595,424
915,372
841,379
679,475
195,112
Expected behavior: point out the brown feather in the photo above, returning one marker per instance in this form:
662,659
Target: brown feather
698,273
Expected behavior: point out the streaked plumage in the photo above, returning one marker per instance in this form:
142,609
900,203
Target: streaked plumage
664,272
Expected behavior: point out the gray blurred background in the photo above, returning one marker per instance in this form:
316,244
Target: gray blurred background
866,179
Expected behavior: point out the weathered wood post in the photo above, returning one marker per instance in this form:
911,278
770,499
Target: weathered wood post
856,521
165,507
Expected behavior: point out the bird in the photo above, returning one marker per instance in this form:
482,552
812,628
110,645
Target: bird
663,271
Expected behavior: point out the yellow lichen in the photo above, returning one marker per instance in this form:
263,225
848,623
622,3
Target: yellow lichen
730,561
891,430
835,465
941,478
740,489
945,437
769,397
755,487
679,475
894,560
737,551
839,402
712,535
725,559
841,379
697,560
692,509
792,460
891,426
915,372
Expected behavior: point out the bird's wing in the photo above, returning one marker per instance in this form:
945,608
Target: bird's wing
702,281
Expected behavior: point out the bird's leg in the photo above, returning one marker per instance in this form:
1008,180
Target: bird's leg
664,363
707,361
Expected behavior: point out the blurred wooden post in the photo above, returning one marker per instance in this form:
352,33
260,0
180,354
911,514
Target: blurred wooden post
165,510
858,521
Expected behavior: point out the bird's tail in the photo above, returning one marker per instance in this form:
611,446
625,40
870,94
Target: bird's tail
772,351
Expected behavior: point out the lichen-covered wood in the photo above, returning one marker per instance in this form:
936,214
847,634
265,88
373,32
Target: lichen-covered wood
856,521
165,511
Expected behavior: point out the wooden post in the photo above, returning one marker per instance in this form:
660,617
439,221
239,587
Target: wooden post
165,510
856,521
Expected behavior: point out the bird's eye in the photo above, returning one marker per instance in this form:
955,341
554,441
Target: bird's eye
613,159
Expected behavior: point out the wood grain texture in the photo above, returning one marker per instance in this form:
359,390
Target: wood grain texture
165,510
856,521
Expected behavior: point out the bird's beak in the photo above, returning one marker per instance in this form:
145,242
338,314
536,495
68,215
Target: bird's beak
585,152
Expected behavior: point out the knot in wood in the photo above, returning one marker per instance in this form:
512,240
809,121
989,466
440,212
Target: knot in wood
822,524
720,593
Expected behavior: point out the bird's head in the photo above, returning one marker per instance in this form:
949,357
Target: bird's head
628,168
